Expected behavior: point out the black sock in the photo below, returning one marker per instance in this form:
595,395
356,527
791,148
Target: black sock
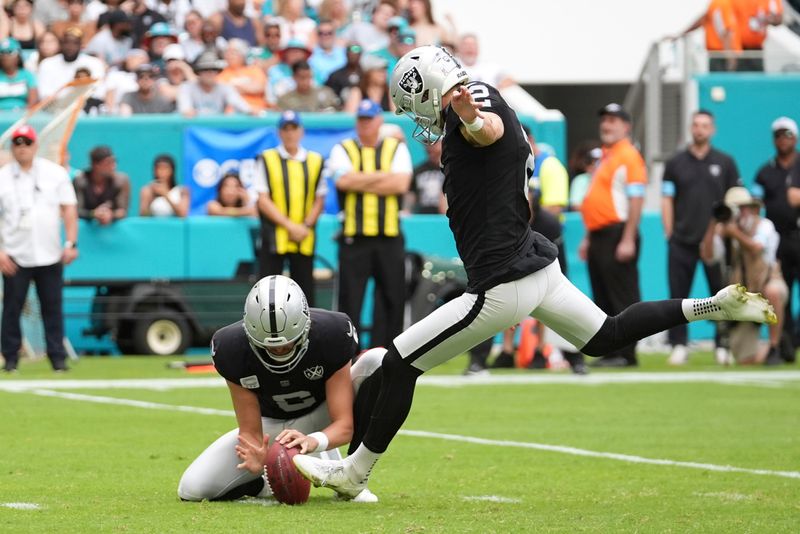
363,405
393,402
636,322
251,488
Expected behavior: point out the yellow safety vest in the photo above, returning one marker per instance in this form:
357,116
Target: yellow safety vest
369,214
293,190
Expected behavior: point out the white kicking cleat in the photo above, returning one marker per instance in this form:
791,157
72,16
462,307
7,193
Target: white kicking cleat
737,304
365,496
333,474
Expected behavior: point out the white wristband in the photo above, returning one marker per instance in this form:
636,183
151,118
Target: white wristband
475,125
322,441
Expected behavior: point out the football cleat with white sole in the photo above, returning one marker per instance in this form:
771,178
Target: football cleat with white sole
366,496
333,474
737,304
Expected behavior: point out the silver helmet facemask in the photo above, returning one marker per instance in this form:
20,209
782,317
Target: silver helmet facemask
276,314
419,81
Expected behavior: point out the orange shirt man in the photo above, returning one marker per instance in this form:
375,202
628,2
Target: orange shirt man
753,17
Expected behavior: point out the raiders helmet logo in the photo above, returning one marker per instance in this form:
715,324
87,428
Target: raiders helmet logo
411,82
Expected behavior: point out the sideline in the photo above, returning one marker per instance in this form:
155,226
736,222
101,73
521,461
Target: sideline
739,378
448,437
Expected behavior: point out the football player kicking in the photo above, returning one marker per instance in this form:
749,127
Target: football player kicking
289,374
512,271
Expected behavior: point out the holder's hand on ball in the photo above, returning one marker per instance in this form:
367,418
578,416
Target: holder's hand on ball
252,454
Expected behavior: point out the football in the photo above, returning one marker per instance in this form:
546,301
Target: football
288,485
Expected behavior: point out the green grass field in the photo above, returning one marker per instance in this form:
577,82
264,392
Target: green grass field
561,454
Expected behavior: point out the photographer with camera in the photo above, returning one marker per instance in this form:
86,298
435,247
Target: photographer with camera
746,245
694,180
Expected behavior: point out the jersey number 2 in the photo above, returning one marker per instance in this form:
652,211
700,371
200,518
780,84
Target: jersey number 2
480,93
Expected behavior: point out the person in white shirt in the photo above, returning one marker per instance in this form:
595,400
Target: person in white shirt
35,196
112,43
55,72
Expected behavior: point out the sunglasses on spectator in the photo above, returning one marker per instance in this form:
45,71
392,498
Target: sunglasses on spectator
145,76
784,133
325,33
19,141
274,34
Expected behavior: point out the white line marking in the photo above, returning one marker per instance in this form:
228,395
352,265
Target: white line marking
759,378
448,437
725,496
490,498
20,505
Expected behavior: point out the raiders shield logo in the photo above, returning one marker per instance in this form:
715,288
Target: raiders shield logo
314,373
411,82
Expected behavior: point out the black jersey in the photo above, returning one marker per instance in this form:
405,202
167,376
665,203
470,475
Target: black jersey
487,203
332,343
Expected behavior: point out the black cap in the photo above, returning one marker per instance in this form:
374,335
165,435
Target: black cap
614,110
117,17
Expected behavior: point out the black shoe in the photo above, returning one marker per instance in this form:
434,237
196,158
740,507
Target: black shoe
773,357
614,361
10,368
538,361
787,349
60,367
476,369
579,369
504,360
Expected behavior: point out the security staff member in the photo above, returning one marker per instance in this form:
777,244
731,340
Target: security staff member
694,180
291,197
371,174
611,212
35,195
778,183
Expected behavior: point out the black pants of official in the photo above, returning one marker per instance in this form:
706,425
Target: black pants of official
49,286
301,269
383,259
615,284
789,256
682,264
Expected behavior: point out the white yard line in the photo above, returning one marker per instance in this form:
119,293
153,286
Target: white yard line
20,505
749,378
435,435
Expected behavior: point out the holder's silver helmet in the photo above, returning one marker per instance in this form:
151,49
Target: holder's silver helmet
275,315
418,83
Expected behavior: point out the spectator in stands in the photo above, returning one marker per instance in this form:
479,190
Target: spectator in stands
147,98
722,34
206,95
371,35
280,75
163,197
327,56
468,52
342,81
695,179
753,17
778,183
95,9
47,46
270,54
21,24
583,163
750,243
249,80
50,11
173,11
58,70
550,178
156,40
233,199
425,195
176,72
112,43
142,19
371,243
336,12
373,85
76,17
295,24
234,23
35,195
94,104
121,81
289,217
307,96
191,39
17,85
612,220
103,193
212,40
422,21
402,41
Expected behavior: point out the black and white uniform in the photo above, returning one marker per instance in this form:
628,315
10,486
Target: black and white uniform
512,270
295,399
